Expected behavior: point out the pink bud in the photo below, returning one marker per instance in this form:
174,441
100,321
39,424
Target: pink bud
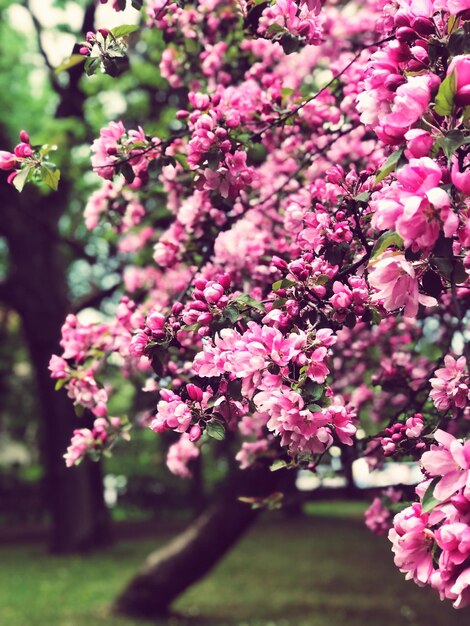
195,433
423,25
104,32
205,318
279,263
24,137
461,503
138,344
155,321
224,280
23,150
418,143
177,308
460,179
194,392
84,50
8,161
460,66
200,283
406,34
11,177
182,114
213,293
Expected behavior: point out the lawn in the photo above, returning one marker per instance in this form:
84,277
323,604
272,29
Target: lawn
317,571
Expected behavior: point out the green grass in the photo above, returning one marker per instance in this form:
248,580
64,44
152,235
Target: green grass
316,571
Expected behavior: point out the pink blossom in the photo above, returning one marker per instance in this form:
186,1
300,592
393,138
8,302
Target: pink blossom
377,517
451,385
460,68
461,179
395,279
412,544
8,161
180,454
172,413
450,460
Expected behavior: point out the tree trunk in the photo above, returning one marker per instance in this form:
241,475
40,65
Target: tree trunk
38,292
190,555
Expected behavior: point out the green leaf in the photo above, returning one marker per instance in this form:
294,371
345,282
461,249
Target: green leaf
452,142
72,61
181,158
115,66
389,166
279,464
128,173
387,239
91,65
429,501
46,148
459,41
445,96
285,283
363,197
315,408
459,273
60,383
50,176
322,279
123,30
216,430
244,298
22,177
231,313
192,327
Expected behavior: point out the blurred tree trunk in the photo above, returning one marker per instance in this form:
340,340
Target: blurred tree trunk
37,290
169,571
36,287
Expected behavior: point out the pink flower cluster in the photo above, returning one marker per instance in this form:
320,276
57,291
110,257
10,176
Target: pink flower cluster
398,435
415,206
298,18
180,454
433,547
396,283
116,146
90,442
22,154
451,385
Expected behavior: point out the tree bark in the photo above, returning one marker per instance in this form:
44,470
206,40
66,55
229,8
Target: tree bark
38,292
190,555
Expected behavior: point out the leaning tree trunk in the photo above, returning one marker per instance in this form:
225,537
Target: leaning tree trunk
190,555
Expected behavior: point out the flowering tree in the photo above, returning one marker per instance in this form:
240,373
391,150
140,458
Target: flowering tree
298,250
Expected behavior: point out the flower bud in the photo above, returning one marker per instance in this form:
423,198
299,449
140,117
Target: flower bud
155,321
24,137
8,161
405,34
177,308
461,503
213,293
423,25
195,433
194,392
23,150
